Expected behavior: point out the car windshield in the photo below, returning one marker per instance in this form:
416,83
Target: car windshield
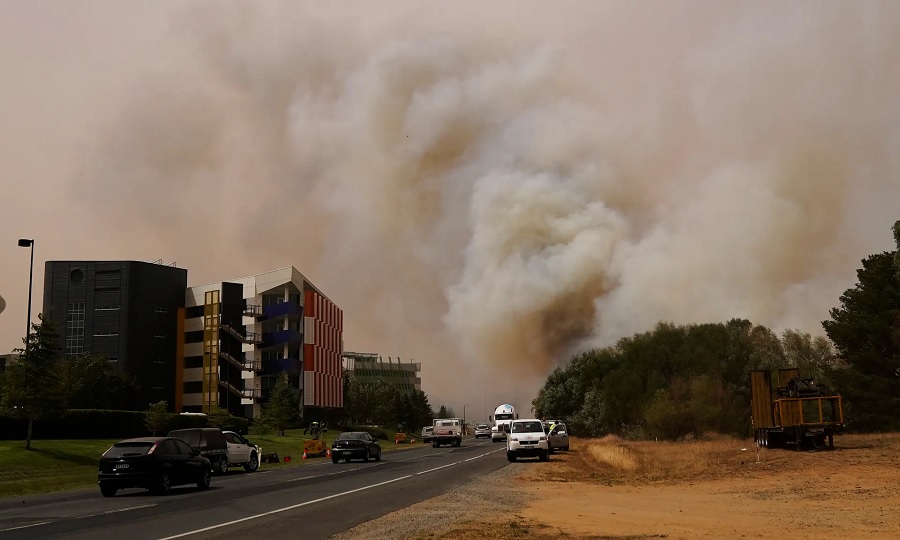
481,426
526,427
503,416
349,436
128,449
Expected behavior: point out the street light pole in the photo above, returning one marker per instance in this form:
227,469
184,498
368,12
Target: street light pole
464,413
29,243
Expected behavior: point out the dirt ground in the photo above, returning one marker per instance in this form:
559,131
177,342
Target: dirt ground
613,489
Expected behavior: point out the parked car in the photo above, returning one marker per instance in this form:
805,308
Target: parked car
210,442
154,463
426,433
527,438
482,430
241,452
559,437
355,445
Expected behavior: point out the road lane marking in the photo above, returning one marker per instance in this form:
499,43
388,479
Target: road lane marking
439,468
25,526
116,510
285,509
329,474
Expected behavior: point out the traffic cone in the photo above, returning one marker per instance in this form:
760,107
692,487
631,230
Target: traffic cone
304,454
328,452
396,441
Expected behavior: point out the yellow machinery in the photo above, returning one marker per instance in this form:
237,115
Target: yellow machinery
400,438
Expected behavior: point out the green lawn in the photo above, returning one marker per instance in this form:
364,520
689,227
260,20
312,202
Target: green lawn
55,465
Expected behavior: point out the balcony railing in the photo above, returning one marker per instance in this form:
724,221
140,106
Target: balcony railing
243,364
248,393
242,336
253,310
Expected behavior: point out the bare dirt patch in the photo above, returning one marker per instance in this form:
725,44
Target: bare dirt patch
613,489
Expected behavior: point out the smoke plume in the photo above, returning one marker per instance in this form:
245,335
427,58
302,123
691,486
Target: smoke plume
490,191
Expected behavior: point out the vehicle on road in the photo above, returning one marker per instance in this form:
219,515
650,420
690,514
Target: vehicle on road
482,430
210,442
558,437
426,433
241,452
447,431
355,445
503,415
527,439
154,463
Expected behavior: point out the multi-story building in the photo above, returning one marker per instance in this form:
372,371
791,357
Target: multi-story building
125,311
369,368
7,359
240,335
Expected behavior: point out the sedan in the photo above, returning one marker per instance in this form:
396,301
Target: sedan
482,430
154,463
355,445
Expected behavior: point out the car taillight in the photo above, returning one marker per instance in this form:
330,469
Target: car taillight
152,448
107,451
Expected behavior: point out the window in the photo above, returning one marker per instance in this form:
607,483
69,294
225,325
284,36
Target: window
112,359
161,310
183,447
193,387
193,312
158,387
158,360
106,288
193,361
193,337
160,335
171,449
75,329
106,308
105,333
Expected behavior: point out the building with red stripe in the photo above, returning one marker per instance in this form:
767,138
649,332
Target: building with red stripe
240,336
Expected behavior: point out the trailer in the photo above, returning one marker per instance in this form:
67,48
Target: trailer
801,410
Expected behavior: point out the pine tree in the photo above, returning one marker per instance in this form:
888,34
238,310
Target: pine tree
32,385
283,407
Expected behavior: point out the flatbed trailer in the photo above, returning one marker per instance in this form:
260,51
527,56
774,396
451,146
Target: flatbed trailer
801,411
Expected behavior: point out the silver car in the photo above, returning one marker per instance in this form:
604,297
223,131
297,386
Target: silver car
482,430
559,437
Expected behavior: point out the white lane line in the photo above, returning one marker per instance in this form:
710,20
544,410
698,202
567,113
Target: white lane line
26,526
329,474
439,468
117,510
285,509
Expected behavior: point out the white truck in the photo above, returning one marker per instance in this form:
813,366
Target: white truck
446,431
502,417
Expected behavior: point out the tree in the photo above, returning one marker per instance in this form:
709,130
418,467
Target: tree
283,406
865,329
442,412
156,417
92,382
32,386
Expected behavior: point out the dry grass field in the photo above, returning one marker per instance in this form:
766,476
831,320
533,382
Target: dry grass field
712,488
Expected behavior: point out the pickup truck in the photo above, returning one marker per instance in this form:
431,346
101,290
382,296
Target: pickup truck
447,431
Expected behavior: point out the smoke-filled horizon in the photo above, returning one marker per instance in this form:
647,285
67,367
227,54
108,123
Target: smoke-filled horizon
490,190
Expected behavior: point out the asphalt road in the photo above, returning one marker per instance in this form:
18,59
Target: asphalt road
313,501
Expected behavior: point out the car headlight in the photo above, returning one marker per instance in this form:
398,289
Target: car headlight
514,439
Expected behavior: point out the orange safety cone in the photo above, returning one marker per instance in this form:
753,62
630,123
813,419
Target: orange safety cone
304,454
328,452
396,441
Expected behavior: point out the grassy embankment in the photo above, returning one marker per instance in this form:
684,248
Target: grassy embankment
55,465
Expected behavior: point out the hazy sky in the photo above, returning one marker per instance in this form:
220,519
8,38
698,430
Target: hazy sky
484,188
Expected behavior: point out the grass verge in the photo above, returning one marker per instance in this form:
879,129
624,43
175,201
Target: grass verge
57,465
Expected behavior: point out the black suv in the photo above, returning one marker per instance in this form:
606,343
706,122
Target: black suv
154,463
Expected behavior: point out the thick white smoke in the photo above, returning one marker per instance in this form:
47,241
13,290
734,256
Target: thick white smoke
484,198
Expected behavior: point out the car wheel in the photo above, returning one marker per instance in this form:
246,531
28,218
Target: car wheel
205,476
107,490
254,463
223,466
434,445
334,459
378,456
510,456
544,456
366,456
163,483
566,448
